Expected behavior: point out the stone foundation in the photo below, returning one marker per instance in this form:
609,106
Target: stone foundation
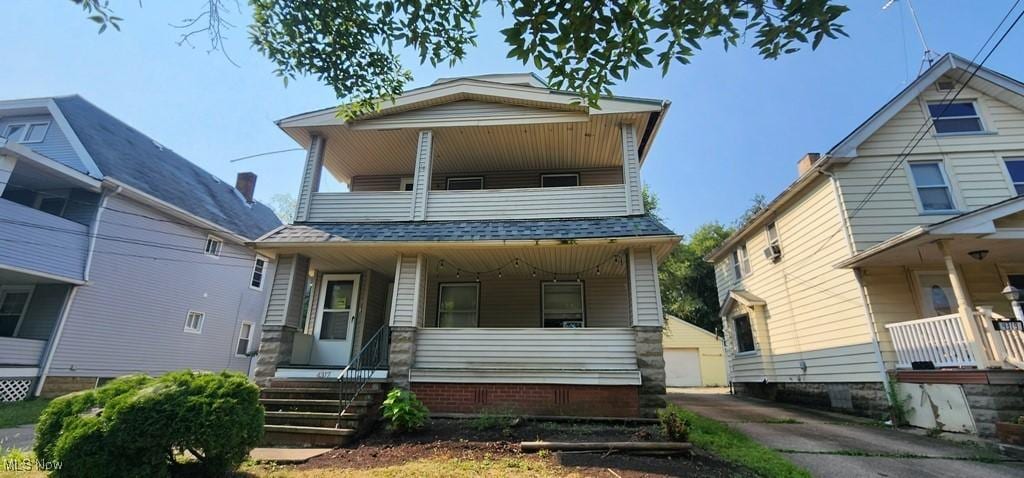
57,386
530,399
403,347
993,403
650,357
859,398
275,349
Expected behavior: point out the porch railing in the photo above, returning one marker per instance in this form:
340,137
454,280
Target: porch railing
939,340
1004,337
351,381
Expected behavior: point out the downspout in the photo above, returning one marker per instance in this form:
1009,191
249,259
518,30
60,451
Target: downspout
861,290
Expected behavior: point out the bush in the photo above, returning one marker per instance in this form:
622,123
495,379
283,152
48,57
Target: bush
404,411
141,426
673,425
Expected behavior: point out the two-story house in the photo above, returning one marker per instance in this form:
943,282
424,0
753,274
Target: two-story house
891,259
117,255
494,229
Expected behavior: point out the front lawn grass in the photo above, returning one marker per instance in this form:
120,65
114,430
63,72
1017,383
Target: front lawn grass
440,467
24,412
735,447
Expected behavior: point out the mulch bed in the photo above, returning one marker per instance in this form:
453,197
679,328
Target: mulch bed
451,438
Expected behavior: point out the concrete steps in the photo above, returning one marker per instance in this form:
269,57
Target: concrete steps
304,412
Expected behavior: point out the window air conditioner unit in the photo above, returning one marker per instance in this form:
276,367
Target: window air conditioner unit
773,253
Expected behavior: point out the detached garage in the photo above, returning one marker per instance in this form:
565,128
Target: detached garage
694,357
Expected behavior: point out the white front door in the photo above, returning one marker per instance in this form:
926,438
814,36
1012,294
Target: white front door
936,293
335,319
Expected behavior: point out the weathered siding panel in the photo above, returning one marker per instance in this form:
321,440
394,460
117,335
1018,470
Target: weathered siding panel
41,242
531,203
130,318
579,349
23,352
54,146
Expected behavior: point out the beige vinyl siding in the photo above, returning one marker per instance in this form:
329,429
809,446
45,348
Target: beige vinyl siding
492,179
973,164
516,302
814,313
684,335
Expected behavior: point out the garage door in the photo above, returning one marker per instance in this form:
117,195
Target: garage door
682,367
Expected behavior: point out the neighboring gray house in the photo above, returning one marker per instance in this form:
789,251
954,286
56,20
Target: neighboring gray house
117,255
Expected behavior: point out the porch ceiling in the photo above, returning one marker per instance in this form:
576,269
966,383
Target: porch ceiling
924,249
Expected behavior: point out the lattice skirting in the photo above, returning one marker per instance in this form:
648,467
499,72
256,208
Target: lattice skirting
14,389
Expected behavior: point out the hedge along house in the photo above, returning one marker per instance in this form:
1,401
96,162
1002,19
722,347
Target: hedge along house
494,229
117,255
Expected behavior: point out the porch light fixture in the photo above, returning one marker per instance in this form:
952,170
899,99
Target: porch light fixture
1011,293
979,254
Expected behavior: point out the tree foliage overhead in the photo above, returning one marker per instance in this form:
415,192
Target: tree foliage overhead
585,46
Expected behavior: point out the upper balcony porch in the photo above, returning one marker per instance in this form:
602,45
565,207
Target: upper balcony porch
520,152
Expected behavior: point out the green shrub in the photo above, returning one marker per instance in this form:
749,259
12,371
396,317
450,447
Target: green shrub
141,426
673,425
404,411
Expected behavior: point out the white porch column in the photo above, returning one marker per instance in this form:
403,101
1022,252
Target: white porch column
6,168
631,170
965,309
310,177
421,175
647,321
406,311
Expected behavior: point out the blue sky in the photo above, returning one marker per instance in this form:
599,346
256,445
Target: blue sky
737,126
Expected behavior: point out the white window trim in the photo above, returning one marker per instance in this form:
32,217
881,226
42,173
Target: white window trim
953,192
206,244
543,306
744,263
979,111
263,273
248,343
440,293
448,182
405,181
25,127
736,339
21,316
202,321
1005,158
560,175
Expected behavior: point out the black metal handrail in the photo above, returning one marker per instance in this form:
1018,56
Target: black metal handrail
372,357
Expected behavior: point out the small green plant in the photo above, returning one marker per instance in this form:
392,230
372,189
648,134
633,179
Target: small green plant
404,411
898,410
673,425
489,421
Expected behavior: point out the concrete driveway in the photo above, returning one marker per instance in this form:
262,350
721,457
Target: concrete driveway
831,445
17,437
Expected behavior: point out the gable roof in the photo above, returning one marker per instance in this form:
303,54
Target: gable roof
742,297
128,156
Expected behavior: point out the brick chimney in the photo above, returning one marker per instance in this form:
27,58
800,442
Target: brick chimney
802,166
246,184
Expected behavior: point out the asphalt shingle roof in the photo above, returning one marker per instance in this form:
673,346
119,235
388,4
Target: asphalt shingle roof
447,231
125,154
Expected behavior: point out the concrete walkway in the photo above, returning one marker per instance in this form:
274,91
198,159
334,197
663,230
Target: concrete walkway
17,437
832,445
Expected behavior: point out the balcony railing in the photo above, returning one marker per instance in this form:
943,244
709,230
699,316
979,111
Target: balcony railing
34,241
21,352
519,203
939,340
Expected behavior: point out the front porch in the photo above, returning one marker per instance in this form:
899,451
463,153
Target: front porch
30,309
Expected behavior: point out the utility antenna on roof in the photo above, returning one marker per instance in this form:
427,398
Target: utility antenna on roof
929,56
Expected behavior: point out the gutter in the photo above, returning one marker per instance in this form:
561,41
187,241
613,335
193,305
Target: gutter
473,243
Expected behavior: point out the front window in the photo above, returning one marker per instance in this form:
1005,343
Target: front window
458,305
213,246
244,338
744,335
957,117
740,262
1015,166
463,184
562,305
258,268
932,186
194,322
559,180
13,302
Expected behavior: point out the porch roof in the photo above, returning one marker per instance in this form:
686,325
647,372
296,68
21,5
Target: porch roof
468,231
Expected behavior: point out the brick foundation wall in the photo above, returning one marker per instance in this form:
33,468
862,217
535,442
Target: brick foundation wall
530,399
859,398
57,386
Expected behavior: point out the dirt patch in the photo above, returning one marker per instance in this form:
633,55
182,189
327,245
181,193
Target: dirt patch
460,439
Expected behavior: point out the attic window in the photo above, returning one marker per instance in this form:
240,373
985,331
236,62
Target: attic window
213,246
953,118
27,132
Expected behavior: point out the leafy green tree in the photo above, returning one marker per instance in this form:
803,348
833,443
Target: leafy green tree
585,46
757,204
284,205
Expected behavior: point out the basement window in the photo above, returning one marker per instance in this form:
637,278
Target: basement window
953,118
744,334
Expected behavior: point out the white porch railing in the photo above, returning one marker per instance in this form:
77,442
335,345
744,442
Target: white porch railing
1013,339
1004,337
939,340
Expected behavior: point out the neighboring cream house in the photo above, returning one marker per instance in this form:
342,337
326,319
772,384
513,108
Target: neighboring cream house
493,240
694,357
878,262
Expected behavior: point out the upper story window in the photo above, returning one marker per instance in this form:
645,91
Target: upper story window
244,339
744,334
458,305
932,186
1015,166
467,183
406,184
957,117
740,262
194,322
258,268
27,132
774,250
213,246
562,304
559,180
